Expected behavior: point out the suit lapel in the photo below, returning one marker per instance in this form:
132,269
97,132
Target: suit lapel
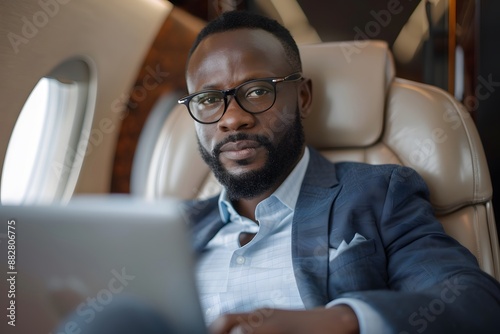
310,230
205,222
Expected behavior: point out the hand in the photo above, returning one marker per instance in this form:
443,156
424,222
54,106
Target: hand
337,319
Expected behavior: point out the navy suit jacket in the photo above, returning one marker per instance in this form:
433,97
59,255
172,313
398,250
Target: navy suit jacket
412,273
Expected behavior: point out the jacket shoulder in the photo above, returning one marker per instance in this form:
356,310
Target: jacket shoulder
348,170
365,179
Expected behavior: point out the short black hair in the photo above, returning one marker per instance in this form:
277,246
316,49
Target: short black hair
233,20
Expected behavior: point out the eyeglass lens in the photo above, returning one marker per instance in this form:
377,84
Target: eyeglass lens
254,97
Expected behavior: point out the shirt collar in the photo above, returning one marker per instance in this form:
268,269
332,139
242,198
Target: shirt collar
287,193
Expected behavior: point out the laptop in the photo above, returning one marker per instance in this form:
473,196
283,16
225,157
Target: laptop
93,254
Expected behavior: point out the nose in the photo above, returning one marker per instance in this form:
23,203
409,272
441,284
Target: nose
235,118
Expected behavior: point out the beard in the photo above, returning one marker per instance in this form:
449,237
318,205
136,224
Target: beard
281,157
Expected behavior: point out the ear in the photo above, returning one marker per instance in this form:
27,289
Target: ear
305,98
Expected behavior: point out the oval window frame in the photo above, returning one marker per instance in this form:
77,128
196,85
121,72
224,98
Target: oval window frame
62,146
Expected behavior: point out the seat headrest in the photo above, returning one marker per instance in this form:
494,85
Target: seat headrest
350,84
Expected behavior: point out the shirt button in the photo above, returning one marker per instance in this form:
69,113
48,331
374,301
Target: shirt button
208,311
240,260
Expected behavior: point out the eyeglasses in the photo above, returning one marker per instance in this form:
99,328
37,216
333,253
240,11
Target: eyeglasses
253,96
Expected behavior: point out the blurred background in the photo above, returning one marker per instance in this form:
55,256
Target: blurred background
452,44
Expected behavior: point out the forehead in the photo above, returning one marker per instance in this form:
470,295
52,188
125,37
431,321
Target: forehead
228,58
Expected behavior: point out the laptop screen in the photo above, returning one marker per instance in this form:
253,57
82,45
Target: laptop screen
81,258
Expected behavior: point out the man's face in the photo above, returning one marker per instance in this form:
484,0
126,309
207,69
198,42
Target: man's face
248,153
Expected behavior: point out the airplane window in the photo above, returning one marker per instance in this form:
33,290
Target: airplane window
23,145
48,144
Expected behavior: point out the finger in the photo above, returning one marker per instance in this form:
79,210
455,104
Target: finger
226,323
261,320
237,330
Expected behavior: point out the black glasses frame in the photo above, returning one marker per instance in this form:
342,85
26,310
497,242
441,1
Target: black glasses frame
234,91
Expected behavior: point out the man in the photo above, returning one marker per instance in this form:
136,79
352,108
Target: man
294,243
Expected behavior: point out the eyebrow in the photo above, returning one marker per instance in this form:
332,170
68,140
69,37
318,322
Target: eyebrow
214,87
208,87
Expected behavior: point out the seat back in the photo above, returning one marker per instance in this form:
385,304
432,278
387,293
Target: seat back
362,112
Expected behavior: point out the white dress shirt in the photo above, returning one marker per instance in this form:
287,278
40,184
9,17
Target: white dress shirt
234,278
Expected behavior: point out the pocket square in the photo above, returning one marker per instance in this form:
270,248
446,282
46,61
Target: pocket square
333,253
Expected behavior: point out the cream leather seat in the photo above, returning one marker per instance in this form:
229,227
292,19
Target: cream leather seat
362,112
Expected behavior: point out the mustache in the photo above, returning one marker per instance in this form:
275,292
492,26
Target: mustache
262,140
